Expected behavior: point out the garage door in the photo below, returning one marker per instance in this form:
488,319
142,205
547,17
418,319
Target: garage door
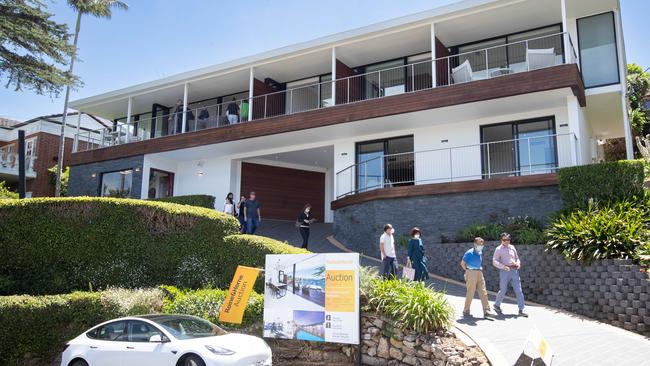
283,192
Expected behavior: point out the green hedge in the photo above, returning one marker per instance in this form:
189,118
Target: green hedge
206,303
59,245
40,325
613,181
199,200
524,230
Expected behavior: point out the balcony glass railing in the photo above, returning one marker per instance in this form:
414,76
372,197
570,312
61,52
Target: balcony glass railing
9,162
524,156
486,63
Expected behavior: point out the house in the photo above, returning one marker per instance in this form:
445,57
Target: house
41,148
373,124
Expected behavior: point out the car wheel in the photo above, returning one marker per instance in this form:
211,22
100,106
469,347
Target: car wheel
193,360
79,363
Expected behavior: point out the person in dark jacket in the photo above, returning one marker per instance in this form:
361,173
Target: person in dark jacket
416,256
304,221
240,214
178,117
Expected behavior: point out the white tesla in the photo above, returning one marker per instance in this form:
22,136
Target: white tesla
164,340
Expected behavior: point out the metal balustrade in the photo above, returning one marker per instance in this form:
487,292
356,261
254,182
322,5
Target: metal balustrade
486,63
524,156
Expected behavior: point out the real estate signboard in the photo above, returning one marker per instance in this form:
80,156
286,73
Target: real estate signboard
312,297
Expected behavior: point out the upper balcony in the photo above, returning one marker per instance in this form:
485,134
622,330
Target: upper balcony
428,64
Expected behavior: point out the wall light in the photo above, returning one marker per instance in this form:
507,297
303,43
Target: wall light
94,175
137,169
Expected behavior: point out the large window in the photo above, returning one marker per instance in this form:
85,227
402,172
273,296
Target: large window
598,55
519,148
116,184
385,163
161,184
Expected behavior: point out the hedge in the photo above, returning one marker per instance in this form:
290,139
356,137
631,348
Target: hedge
613,181
59,245
199,200
40,325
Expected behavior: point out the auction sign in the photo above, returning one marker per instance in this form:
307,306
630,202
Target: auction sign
312,297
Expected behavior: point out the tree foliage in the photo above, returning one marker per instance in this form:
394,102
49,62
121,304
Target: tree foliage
34,49
638,83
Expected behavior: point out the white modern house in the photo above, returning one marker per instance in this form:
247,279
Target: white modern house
476,95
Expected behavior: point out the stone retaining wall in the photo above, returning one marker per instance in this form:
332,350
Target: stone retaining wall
382,344
613,291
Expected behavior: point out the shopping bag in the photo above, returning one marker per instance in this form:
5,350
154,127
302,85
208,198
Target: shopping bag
408,273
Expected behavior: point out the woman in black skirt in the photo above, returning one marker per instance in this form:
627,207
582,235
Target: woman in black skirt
303,222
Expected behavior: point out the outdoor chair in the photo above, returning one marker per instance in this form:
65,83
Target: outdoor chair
540,58
463,73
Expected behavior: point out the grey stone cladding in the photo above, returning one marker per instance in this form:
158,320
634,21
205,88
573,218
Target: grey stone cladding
359,226
613,291
83,183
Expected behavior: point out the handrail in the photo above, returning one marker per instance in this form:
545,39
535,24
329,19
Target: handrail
279,107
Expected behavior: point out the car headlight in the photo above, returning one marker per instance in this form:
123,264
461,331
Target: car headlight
220,350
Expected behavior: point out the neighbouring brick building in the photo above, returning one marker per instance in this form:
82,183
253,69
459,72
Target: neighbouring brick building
41,148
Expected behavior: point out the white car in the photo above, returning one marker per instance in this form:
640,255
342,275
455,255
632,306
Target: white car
164,340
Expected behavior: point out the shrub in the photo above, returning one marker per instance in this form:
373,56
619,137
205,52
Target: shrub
523,229
65,176
604,182
40,325
6,193
199,200
412,303
602,230
58,245
206,303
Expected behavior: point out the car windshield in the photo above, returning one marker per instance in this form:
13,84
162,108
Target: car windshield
187,327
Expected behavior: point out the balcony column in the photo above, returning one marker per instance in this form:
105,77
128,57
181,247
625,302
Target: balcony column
128,118
622,61
565,28
184,123
434,68
251,84
333,75
75,146
573,120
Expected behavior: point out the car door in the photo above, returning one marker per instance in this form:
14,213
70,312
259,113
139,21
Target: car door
106,344
141,351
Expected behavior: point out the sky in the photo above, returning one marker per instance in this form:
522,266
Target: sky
158,38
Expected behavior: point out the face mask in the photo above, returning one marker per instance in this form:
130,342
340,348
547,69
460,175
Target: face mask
392,231
478,247
307,210
416,236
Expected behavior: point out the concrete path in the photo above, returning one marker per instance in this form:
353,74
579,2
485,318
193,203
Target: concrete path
575,340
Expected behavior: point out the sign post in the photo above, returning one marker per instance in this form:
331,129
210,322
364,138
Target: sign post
312,297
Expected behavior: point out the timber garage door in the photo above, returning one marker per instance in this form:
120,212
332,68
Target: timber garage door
283,192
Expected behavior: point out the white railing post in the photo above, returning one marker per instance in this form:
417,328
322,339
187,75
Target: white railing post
333,76
451,167
413,77
433,56
76,141
290,101
527,60
184,120
379,72
382,171
128,116
530,158
487,65
266,106
251,86
348,95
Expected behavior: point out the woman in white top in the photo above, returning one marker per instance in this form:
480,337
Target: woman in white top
229,205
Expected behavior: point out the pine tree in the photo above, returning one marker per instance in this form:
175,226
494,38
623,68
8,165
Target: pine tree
34,49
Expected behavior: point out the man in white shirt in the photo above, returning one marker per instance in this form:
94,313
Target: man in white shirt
387,249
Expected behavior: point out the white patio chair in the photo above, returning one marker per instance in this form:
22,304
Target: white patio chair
463,73
540,58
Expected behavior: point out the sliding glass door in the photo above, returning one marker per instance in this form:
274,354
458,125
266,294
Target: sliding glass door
519,148
385,163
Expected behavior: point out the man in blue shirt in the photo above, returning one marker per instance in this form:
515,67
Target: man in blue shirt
252,215
472,263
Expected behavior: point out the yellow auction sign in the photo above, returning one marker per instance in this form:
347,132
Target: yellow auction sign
232,310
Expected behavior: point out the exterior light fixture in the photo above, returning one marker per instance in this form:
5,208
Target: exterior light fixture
94,175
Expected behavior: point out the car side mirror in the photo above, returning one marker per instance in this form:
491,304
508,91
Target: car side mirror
156,338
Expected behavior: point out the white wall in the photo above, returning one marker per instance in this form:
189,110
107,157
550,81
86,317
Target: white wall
160,164
215,180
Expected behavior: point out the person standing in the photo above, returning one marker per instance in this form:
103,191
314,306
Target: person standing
232,112
304,221
240,214
416,256
229,205
472,264
507,261
387,249
252,214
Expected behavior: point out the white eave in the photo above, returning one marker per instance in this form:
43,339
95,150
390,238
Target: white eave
333,40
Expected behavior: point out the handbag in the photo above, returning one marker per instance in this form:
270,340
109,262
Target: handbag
408,272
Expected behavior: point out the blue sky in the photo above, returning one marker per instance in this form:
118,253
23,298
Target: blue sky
157,38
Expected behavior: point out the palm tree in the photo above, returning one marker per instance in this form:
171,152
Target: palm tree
99,9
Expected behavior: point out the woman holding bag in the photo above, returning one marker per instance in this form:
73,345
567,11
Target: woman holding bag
416,258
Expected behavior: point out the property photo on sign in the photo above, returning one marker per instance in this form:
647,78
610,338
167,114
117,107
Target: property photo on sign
312,297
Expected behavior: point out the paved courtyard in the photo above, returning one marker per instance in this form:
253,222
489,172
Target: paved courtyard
575,340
